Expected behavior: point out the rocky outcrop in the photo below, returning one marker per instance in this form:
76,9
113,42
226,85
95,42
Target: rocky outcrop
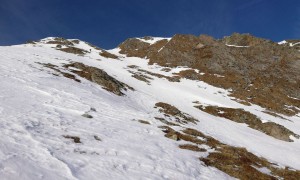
170,110
241,116
58,71
235,161
92,74
61,41
100,77
243,40
134,47
146,76
73,50
74,138
108,55
70,45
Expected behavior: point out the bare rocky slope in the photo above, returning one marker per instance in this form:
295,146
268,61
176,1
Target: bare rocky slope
257,70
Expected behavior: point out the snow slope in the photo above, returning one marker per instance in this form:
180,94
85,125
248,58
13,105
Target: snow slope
37,109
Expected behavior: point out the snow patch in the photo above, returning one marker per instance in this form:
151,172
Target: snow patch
231,45
153,40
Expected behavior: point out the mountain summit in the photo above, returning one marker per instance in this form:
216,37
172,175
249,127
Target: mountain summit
185,107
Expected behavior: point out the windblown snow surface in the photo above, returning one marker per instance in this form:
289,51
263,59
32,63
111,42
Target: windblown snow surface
37,109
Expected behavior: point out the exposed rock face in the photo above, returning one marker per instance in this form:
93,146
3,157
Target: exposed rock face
258,73
100,77
74,50
93,74
235,161
137,48
69,45
58,71
207,40
170,110
108,55
241,116
243,40
61,41
74,138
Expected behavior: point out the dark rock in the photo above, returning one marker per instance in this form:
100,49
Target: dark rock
61,41
241,116
74,138
243,40
93,109
108,55
173,111
97,138
74,50
87,116
100,77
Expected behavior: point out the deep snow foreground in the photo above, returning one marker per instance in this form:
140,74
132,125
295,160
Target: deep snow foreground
37,109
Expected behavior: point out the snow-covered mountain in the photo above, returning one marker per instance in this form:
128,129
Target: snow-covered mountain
153,108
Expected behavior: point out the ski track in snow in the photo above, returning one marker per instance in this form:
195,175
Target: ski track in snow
37,109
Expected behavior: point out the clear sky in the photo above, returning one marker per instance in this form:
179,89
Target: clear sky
106,23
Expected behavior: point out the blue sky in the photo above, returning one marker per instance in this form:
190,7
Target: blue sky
106,23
